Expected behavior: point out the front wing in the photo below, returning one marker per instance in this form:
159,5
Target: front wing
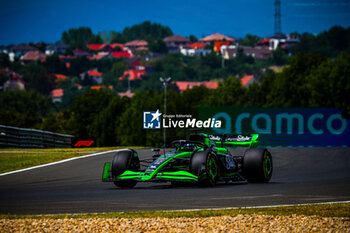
147,176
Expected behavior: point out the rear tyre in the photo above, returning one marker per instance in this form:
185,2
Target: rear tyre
204,165
257,165
122,161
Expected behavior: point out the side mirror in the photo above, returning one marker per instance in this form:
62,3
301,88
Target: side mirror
156,153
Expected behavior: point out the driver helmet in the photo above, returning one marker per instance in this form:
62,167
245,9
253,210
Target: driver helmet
189,147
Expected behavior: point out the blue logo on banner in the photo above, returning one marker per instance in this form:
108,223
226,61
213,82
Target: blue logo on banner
283,126
151,120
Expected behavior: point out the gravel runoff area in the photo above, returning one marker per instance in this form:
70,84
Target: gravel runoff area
237,223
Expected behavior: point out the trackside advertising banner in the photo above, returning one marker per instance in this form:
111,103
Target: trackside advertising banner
283,126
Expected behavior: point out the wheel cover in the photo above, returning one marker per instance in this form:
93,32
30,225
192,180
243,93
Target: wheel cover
267,165
212,168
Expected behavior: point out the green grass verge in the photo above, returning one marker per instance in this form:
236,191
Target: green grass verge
323,210
89,149
15,159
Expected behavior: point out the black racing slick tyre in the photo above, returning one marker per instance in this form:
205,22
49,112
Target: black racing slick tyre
204,165
257,165
122,161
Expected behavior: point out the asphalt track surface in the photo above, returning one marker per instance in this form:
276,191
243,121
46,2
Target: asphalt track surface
301,175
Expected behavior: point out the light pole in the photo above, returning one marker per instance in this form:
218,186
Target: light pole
165,82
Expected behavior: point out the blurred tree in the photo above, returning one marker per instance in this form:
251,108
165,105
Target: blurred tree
329,43
37,78
230,92
278,57
80,37
23,108
117,37
84,109
3,78
193,38
53,64
158,46
117,70
146,31
105,124
79,65
4,60
250,40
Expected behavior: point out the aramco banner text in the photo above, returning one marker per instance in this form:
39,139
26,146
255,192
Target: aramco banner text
283,126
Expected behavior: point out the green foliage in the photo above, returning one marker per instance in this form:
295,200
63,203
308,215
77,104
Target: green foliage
23,108
278,57
316,76
3,78
4,60
289,89
84,109
117,37
80,37
105,124
230,92
79,65
146,31
116,71
38,78
53,65
193,38
329,84
158,46
250,40
329,43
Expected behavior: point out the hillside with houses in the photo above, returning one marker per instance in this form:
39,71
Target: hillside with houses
96,85
126,66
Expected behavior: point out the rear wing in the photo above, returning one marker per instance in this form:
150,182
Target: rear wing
235,140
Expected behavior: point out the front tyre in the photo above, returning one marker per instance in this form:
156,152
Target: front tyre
257,165
123,161
204,165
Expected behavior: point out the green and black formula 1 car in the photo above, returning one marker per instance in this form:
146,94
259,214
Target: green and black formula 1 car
202,160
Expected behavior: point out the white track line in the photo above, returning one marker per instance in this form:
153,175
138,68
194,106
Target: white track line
57,162
228,208
267,206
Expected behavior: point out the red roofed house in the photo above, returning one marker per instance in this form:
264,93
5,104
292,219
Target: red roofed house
99,87
94,75
196,48
217,37
258,52
128,94
99,56
218,44
32,56
264,42
137,45
57,95
119,54
114,45
80,53
19,50
184,85
175,43
246,80
60,77
96,46
135,74
79,86
197,45
14,83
